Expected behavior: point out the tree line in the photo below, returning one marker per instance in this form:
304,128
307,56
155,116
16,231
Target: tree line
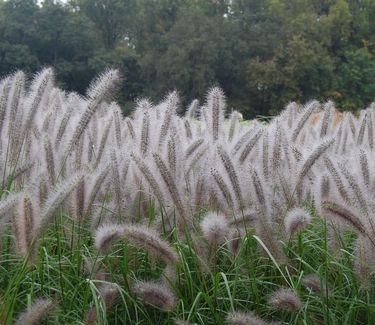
263,53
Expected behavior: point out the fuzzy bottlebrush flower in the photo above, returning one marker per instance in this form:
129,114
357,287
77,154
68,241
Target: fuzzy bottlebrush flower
6,205
36,313
62,127
150,178
308,110
295,220
244,318
223,187
344,214
23,226
355,187
5,86
188,130
246,218
215,227
93,188
145,134
117,122
192,110
235,117
50,161
57,196
312,158
155,294
232,174
314,283
336,176
250,145
216,108
172,155
364,262
38,90
172,188
285,299
172,102
327,117
148,239
99,91
106,236
138,236
130,127
364,167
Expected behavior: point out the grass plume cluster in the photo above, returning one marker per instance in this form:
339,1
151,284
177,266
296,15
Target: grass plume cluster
199,218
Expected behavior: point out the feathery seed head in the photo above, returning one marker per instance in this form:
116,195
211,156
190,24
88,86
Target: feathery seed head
36,313
106,235
296,219
156,294
285,299
244,318
314,283
215,227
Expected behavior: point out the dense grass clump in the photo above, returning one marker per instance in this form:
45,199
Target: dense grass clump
160,219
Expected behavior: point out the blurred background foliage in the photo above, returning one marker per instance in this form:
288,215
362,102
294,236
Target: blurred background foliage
263,53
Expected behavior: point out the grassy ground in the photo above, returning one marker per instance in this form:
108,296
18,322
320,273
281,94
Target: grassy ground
205,295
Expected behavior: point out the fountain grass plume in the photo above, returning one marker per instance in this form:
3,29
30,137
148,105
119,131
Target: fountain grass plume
285,299
145,134
364,164
150,178
356,188
231,171
344,214
337,178
244,318
308,110
193,147
56,197
361,132
37,312
224,189
312,159
250,145
327,118
215,228
100,90
172,189
156,294
296,220
139,236
315,283
216,107
93,188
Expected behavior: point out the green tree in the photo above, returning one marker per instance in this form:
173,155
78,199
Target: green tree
112,18
299,71
263,53
18,34
356,79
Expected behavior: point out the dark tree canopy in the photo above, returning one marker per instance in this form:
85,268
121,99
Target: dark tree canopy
263,53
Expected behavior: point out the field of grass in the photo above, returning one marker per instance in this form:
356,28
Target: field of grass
165,219
206,291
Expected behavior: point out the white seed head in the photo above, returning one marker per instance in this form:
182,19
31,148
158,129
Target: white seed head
215,227
296,219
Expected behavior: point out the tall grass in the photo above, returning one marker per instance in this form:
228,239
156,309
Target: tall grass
160,218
